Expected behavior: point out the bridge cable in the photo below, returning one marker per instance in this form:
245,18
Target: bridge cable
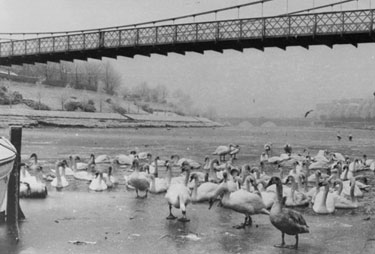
147,22
315,8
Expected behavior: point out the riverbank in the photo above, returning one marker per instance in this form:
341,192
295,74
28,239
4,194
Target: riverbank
41,118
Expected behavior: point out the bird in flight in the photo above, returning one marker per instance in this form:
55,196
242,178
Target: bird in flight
308,112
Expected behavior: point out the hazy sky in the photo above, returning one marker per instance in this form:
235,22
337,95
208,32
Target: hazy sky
253,83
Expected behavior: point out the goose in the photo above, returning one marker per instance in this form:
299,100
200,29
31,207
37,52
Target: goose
138,180
203,192
286,220
342,202
324,200
178,196
98,183
222,151
60,180
240,201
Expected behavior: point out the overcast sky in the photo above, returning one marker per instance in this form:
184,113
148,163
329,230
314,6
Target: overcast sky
253,83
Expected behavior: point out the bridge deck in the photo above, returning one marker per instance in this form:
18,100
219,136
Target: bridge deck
329,28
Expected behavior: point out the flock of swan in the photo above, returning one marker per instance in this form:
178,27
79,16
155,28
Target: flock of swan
325,182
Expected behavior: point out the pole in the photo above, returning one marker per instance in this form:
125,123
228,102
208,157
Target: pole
14,213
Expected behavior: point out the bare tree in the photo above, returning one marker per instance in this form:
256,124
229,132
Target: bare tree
111,78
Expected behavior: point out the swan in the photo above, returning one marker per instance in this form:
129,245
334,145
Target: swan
222,151
212,176
83,171
34,166
108,178
32,186
98,183
178,196
268,197
240,201
138,180
340,201
178,161
125,159
286,220
234,151
295,197
103,158
346,183
60,180
324,200
158,185
203,192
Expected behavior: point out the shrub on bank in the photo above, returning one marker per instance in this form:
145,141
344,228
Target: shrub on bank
74,105
35,105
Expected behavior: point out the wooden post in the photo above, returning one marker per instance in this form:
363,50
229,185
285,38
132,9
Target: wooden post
13,211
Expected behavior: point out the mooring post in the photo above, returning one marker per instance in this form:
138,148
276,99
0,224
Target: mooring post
14,213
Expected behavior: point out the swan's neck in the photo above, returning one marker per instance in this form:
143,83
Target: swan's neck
169,175
340,188
156,173
247,184
325,194
278,204
195,190
153,184
187,177
352,196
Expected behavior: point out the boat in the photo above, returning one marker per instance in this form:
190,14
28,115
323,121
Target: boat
7,157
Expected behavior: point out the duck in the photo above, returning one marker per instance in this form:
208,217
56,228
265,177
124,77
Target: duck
324,200
98,183
60,180
203,192
286,220
342,202
178,195
222,151
240,201
138,180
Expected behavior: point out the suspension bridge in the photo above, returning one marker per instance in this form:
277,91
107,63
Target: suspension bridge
301,28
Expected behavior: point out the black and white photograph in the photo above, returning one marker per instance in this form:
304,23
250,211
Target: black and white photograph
187,126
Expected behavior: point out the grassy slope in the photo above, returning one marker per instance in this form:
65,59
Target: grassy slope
52,96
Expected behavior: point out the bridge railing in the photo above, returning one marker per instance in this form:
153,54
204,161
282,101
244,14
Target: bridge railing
344,22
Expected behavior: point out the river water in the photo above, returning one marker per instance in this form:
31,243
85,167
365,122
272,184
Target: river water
116,222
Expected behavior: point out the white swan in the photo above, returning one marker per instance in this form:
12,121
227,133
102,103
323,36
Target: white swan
32,186
98,183
203,192
60,180
178,196
138,180
222,151
324,200
240,201
83,171
342,202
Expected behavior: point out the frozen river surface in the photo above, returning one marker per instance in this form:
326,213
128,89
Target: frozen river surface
117,222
